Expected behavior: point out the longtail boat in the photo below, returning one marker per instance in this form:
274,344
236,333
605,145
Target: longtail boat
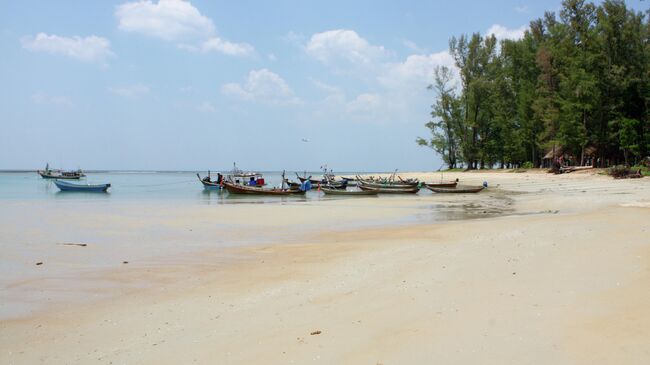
387,186
89,188
391,190
457,189
329,191
448,184
305,178
244,189
210,184
387,183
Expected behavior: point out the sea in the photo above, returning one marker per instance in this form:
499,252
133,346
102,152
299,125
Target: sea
150,219
141,185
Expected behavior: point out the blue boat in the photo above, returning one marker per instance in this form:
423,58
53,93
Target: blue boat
67,186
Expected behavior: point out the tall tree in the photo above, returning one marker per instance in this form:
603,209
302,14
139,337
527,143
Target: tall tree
446,118
574,81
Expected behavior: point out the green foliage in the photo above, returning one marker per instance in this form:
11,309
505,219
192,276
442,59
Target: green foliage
527,165
579,81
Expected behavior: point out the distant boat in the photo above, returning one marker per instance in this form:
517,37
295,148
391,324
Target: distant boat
234,188
60,174
390,183
329,191
457,189
448,184
210,184
391,190
90,188
328,180
238,173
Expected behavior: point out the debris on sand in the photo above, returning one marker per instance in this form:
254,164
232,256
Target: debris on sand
318,332
74,244
39,263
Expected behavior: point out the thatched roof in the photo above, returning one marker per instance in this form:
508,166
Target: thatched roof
560,150
590,150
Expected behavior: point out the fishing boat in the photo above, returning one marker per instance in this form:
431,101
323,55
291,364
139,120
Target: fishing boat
234,188
89,188
210,184
329,191
457,189
387,183
328,181
60,174
447,184
305,178
237,173
391,190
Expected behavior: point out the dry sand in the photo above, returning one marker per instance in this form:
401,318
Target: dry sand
563,278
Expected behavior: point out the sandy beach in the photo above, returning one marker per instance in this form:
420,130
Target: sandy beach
538,269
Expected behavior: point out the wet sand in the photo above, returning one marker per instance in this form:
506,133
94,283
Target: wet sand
559,275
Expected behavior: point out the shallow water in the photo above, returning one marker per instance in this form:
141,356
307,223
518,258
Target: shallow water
124,186
162,218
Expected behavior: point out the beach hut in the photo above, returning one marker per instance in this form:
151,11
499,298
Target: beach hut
589,157
559,153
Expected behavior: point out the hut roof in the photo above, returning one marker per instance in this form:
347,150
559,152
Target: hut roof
559,151
590,150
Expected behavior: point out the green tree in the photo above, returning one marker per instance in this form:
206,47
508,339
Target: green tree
446,119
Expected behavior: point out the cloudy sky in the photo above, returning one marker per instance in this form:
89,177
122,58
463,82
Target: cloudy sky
174,84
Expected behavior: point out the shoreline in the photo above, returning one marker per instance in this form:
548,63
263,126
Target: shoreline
405,285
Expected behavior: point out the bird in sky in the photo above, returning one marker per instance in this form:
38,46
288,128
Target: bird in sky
305,140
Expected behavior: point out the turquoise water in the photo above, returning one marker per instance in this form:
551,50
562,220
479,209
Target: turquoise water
127,185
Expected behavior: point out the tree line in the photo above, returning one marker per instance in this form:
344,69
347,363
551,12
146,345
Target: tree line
576,84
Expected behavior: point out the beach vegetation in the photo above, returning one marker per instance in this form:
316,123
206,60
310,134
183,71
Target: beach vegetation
577,81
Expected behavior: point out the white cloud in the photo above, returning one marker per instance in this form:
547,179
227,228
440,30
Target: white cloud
206,107
364,103
341,44
87,49
294,38
413,46
394,88
177,21
56,100
501,32
262,86
226,47
171,20
326,87
130,91
416,69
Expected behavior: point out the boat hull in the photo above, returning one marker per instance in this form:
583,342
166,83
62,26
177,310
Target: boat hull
329,191
411,190
66,186
451,184
209,185
242,189
457,190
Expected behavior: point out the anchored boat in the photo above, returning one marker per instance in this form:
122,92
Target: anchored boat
60,174
234,188
90,188
457,189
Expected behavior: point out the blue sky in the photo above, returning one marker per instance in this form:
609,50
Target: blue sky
200,84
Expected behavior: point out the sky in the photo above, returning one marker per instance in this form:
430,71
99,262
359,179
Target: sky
197,85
